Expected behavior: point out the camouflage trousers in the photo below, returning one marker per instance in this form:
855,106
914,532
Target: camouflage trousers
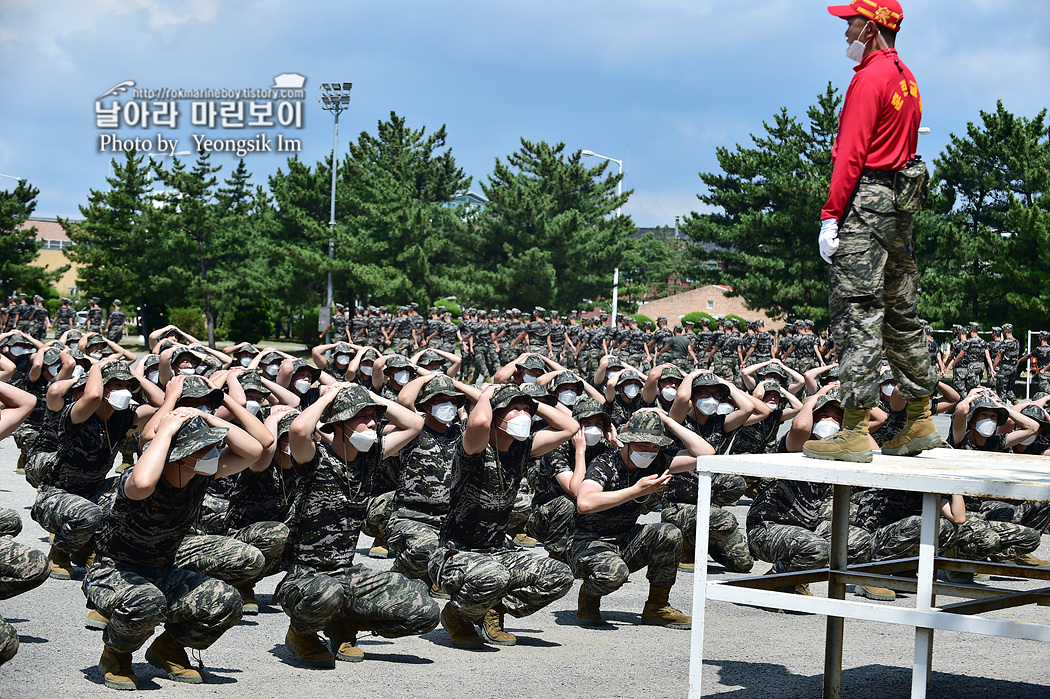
194,608
727,489
727,368
981,539
873,282
10,523
726,543
485,362
900,539
552,523
605,562
400,345
115,334
522,581
789,547
25,437
8,642
38,464
1005,378
71,518
415,536
21,567
960,377
393,605
522,508
975,376
377,515
1030,513
242,556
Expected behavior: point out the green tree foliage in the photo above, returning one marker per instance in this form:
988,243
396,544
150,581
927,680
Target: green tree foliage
548,235
650,264
762,229
982,242
18,245
701,319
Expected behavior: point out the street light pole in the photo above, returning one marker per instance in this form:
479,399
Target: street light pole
335,98
619,190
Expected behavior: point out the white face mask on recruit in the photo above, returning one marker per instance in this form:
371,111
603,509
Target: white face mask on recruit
77,371
445,413
642,459
631,390
707,406
887,389
366,370
825,428
245,361
53,370
519,427
986,427
189,371
1028,441
18,351
669,393
253,406
363,441
401,377
592,435
96,355
153,376
273,369
528,378
120,399
342,359
302,386
567,397
725,408
208,465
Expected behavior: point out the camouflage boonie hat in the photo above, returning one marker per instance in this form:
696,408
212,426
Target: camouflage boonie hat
73,335
195,387
251,381
150,361
52,355
1039,415
77,355
342,348
768,386
538,393
350,401
626,376
707,379
1008,327
247,349
886,374
565,378
180,352
95,339
671,372
614,363
269,358
119,371
504,395
776,370
285,423
194,435
645,427
831,396
440,385
532,362
588,407
429,357
80,382
986,403
303,364
397,361
834,372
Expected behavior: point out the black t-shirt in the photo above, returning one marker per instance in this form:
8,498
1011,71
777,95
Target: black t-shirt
426,466
265,496
561,460
86,451
610,472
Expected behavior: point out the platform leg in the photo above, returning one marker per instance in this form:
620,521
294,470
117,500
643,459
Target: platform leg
703,521
836,590
922,666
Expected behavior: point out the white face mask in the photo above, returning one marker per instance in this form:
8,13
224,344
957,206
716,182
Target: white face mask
567,397
887,389
366,370
529,378
630,391
363,441
120,399
245,361
669,393
519,427
253,406
187,372
273,369
153,376
17,351
96,355
592,435
201,368
302,385
825,428
445,413
725,408
208,465
773,404
708,406
342,359
642,459
1028,441
77,371
53,370
855,50
986,427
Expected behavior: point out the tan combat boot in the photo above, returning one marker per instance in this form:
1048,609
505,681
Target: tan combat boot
379,548
96,621
115,668
851,443
525,541
918,434
492,629
61,566
344,640
460,631
588,609
167,654
659,612
688,562
249,605
309,648
1030,560
881,594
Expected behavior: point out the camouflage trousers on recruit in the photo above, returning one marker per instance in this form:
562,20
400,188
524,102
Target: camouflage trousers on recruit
10,522
38,464
243,556
115,334
873,282
71,518
552,523
25,436
727,489
522,508
790,548
415,537
484,366
981,539
726,544
1005,378
8,642
377,515
194,608
1030,513
727,368
523,582
900,539
605,562
21,567
393,605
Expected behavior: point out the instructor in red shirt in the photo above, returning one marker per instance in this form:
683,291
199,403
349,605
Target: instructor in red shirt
866,236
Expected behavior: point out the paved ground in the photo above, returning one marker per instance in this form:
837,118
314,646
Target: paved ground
749,653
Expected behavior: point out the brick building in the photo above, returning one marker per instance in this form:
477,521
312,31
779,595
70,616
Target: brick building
711,299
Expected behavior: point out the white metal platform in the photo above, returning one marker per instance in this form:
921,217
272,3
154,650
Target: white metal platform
935,472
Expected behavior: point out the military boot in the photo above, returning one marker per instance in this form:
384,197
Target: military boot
460,631
96,621
881,594
309,648
115,668
525,541
379,548
61,566
659,612
167,654
851,443
918,434
688,561
344,640
492,629
249,604
588,609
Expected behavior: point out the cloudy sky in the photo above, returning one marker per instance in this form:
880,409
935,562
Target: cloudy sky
658,84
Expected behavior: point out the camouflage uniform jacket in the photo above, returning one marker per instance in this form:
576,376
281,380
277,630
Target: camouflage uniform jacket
561,460
427,463
878,507
610,472
266,496
85,452
763,347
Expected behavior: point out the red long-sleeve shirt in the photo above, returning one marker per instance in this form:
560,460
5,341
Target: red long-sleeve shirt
878,126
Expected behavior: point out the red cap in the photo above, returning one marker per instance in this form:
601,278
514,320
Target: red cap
888,13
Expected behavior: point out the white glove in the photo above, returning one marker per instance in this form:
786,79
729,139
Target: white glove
829,238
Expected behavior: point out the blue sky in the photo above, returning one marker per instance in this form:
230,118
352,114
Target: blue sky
659,85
